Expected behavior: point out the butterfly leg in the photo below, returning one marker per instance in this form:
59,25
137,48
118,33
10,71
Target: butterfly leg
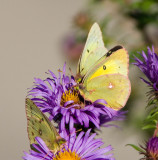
47,155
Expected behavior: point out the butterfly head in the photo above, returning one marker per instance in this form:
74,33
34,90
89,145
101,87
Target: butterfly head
61,141
78,78
58,145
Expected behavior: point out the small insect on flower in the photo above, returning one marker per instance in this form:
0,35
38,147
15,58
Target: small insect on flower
84,147
149,66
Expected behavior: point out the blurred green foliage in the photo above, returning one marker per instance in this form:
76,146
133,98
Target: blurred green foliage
144,11
151,120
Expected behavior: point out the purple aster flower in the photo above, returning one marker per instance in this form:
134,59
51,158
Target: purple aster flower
149,66
60,98
151,150
120,116
84,147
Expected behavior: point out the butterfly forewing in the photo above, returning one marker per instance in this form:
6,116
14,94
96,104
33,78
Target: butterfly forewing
116,61
94,49
39,126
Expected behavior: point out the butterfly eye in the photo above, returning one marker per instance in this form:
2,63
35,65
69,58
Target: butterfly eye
104,67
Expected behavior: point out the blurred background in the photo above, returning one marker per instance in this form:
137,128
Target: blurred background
39,35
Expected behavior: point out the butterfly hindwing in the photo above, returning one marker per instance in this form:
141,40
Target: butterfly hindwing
114,88
39,126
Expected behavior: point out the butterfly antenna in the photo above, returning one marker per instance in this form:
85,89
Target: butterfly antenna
47,155
76,131
73,76
79,130
66,145
71,72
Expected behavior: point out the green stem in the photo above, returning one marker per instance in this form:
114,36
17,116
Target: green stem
156,130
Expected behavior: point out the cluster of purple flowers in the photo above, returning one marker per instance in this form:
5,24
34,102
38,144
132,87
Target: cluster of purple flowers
61,100
149,66
83,147
150,151
152,148
59,97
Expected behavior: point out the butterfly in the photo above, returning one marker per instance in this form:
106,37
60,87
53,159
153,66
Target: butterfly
38,125
103,74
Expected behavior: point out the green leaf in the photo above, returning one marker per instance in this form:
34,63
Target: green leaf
149,127
151,102
136,148
151,120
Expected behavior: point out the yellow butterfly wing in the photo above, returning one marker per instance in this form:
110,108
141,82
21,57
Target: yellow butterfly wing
39,125
99,69
113,88
115,61
110,71
94,49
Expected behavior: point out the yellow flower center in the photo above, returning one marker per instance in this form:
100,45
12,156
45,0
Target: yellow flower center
67,155
70,95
